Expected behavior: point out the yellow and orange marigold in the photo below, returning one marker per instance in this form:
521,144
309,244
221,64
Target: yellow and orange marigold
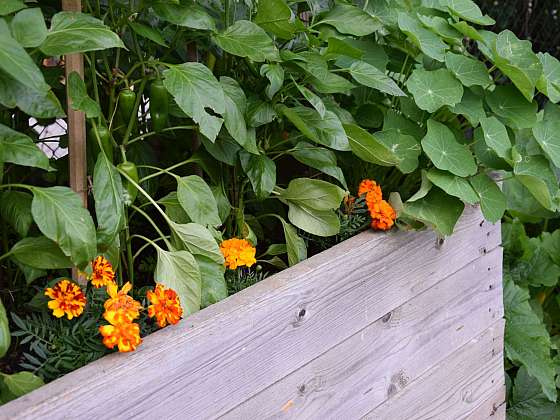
121,333
103,273
165,305
237,253
120,303
67,299
382,214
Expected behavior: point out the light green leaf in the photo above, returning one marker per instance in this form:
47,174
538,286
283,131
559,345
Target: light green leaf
5,337
492,199
148,32
194,88
190,15
428,42
28,27
8,7
496,137
41,253
527,341
368,148
534,172
441,27
471,107
179,271
315,101
247,39
371,76
453,185
275,74
316,222
261,171
15,61
522,204
469,11
332,83
516,59
75,32
234,116
213,283
173,208
485,155
547,134
507,103
406,148
434,89
17,148
15,209
403,125
351,20
319,158
445,152
436,209
108,193
275,16
295,245
549,82
425,187
467,30
327,131
79,96
61,217
197,200
19,384
198,241
224,206
528,402
313,193
469,71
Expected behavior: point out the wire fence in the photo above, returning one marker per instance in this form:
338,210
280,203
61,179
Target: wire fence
535,20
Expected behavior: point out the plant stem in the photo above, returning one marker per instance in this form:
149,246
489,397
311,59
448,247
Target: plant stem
153,133
154,225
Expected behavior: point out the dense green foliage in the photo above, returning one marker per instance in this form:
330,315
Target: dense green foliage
217,119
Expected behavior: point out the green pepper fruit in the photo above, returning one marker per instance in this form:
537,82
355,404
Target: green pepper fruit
106,141
159,106
131,170
127,100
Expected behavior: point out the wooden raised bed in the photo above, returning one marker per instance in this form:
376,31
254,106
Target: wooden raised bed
382,326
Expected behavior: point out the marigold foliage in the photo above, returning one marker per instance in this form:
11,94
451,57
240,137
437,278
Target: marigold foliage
238,253
165,305
67,299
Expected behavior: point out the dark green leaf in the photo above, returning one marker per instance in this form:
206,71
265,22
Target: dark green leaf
15,209
467,10
191,16
319,158
17,148
496,137
148,32
198,241
428,42
492,200
213,283
313,193
295,245
453,185
28,27
275,16
261,171
234,116
351,20
10,6
79,96
406,148
316,222
197,200
275,74
5,337
528,401
507,103
41,253
368,148
371,76
246,39
547,133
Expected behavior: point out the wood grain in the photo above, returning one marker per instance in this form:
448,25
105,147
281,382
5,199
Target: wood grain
221,356
454,388
362,372
493,408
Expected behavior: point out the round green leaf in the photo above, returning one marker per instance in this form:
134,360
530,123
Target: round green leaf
492,199
445,152
507,103
434,89
406,148
496,137
453,185
469,71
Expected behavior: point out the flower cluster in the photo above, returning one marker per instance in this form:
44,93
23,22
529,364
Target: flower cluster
382,214
121,310
237,253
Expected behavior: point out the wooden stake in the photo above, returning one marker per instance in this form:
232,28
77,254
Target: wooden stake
76,129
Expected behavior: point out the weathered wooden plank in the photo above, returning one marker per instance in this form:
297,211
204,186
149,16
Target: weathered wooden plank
222,355
493,408
360,373
454,388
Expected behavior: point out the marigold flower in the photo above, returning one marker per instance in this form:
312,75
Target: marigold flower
369,186
238,252
165,305
103,273
67,298
383,216
120,303
121,333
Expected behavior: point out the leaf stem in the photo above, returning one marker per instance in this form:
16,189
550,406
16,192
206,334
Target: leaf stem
154,225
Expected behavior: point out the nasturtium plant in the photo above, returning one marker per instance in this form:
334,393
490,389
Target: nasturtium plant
226,141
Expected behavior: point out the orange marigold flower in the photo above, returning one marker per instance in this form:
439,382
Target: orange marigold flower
121,333
383,216
103,273
120,303
165,305
238,252
369,186
67,298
